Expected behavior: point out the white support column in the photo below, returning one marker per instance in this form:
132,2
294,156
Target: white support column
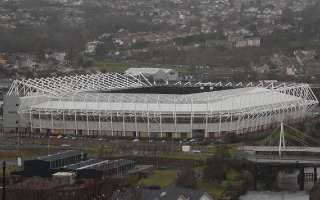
40,123
207,113
238,123
175,117
191,118
206,131
123,125
111,115
136,123
88,131
148,120
135,117
220,124
111,124
160,117
100,125
123,118
282,143
220,116
75,123
64,123
231,123
52,127
31,125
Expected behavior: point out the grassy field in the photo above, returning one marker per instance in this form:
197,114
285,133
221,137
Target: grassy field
161,177
109,66
6,154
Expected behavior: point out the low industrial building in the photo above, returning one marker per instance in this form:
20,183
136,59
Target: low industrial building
99,168
45,166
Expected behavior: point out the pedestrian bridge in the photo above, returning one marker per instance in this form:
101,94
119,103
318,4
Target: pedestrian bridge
294,156
283,155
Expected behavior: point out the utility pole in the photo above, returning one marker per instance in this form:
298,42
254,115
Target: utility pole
4,180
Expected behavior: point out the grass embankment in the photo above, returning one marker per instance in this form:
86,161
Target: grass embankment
9,154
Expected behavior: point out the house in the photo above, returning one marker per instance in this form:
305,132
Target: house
304,56
92,46
3,61
157,74
261,69
58,57
248,42
167,193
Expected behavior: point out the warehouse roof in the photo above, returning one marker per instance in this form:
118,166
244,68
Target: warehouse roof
97,164
60,155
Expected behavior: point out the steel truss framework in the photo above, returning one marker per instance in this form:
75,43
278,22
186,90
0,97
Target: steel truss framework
66,85
68,103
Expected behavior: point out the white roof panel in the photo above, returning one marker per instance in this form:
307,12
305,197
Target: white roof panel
216,101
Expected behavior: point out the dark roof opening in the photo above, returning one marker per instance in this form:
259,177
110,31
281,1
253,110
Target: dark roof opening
169,89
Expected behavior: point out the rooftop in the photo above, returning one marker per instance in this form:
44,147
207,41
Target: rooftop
216,101
60,155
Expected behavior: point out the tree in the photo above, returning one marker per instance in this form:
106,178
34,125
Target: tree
187,178
315,192
230,138
214,171
216,167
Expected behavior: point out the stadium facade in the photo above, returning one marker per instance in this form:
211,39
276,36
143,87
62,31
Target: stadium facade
100,104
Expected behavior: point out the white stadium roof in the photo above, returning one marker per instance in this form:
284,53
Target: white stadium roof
82,93
225,101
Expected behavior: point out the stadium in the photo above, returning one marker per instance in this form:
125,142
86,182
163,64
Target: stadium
112,104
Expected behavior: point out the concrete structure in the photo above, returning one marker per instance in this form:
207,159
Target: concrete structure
65,178
95,105
157,74
301,158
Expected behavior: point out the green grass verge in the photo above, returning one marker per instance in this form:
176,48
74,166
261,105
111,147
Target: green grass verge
187,156
160,177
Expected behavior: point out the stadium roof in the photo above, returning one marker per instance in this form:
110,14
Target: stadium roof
66,85
89,93
252,98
